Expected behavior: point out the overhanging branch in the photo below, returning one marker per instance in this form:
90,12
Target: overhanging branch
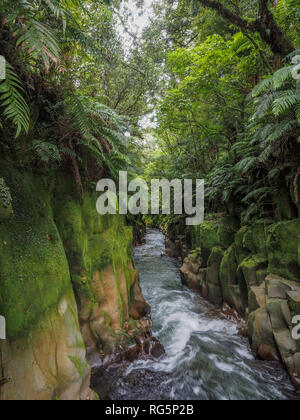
265,25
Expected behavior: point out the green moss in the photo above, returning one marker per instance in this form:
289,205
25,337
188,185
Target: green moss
255,238
283,241
80,365
219,231
5,201
250,266
240,251
93,243
34,272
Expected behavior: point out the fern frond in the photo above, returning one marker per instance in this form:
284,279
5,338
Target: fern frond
282,76
263,86
244,165
263,106
15,107
46,151
39,41
258,194
282,129
285,101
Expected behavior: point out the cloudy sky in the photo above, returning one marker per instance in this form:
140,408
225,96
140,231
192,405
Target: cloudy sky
138,20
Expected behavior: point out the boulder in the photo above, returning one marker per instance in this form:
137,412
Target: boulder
255,239
250,267
230,280
256,298
261,335
240,251
213,276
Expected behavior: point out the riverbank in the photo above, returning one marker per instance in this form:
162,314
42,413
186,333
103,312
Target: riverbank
205,357
255,270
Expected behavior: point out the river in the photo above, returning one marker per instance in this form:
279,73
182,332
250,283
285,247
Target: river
205,357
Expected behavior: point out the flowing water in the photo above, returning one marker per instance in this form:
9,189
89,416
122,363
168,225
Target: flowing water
205,358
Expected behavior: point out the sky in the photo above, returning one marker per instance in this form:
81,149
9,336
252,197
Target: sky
138,21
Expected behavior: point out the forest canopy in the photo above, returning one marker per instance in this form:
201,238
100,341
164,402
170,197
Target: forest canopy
206,90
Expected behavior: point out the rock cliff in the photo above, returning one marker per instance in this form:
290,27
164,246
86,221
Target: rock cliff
68,288
255,270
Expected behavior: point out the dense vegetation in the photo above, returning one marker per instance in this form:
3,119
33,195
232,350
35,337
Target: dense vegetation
217,79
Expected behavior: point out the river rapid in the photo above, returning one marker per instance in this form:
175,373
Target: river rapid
205,357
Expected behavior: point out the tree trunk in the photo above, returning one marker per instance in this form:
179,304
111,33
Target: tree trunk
265,25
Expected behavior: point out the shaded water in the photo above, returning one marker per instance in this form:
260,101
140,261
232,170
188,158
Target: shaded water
205,358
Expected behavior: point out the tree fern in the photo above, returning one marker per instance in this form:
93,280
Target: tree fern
285,101
14,106
263,86
282,76
46,152
39,42
259,194
244,165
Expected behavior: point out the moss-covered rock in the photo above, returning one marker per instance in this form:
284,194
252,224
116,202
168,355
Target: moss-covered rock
219,231
99,252
52,245
34,272
240,251
6,209
250,266
37,300
52,364
283,244
213,276
230,281
255,239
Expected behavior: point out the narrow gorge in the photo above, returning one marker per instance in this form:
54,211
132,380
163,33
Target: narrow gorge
149,201
69,291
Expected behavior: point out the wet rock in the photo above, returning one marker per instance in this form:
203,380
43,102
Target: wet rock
132,353
53,364
294,302
156,349
261,335
213,281
250,266
191,273
257,298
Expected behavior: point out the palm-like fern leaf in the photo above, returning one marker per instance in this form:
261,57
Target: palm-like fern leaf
11,96
285,101
39,41
263,86
282,76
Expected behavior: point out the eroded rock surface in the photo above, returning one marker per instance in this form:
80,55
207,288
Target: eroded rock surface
255,270
68,290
